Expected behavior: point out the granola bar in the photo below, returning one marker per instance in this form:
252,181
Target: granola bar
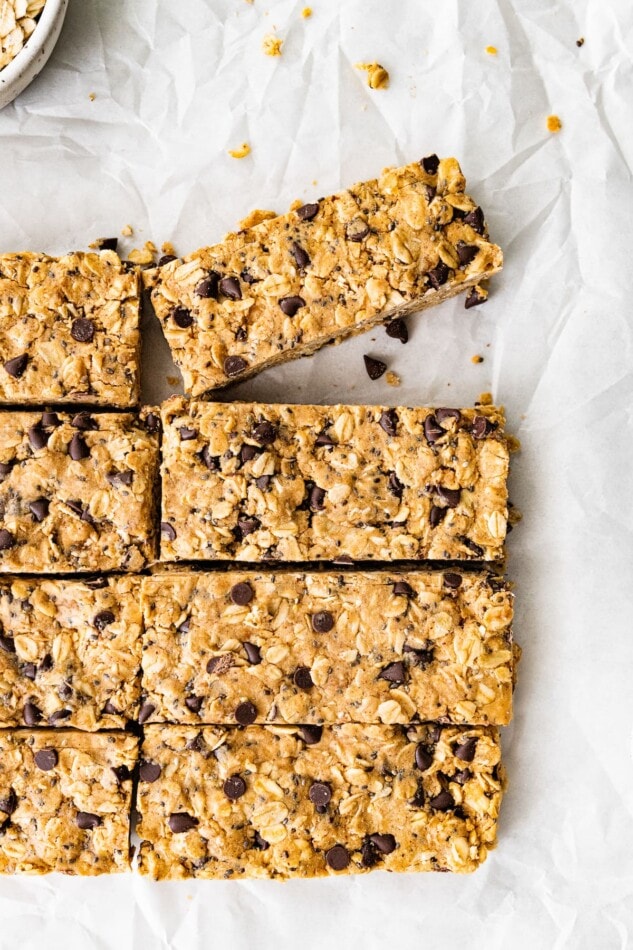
252,482
326,648
65,801
69,330
76,492
70,652
284,801
326,270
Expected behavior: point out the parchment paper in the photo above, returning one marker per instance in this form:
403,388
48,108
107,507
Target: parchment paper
177,84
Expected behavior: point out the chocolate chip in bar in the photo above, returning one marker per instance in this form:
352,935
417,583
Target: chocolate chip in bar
466,253
404,588
246,714
208,288
149,771
242,593
103,619
452,580
87,821
291,305
302,258
32,715
320,794
168,530
194,703
38,438
7,540
450,496
481,427
438,275
39,509
423,757
145,712
466,750
308,212
233,365
311,734
389,422
230,287
78,449
430,164
82,330
322,622
182,317
234,787
253,653
17,365
442,802
265,433
338,857
432,430
302,678
474,298
393,673
180,822
475,219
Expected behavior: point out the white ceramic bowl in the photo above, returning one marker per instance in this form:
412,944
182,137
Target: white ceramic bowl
32,57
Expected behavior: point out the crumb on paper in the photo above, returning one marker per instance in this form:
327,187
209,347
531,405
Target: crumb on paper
514,445
256,216
580,41
92,96
172,380
485,399
240,152
143,255
306,12
492,50
392,378
168,248
272,44
477,358
377,75
554,124
127,230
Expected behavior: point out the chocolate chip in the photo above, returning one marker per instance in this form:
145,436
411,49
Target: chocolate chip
450,496
59,716
16,366
248,453
259,843
452,580
212,462
37,437
122,773
248,278
421,658
246,526
475,219
290,305
186,434
121,478
50,420
302,258
389,421
423,757
9,803
76,507
103,619
166,259
39,508
107,244
398,330
46,664
242,593
436,515
442,802
357,229
109,709
438,275
462,776
474,298
78,449
246,714
234,787
182,317
233,365
65,692
432,429
393,673
184,626
394,485
383,843
152,422
369,856
253,653
265,433
481,427
430,193
444,414
149,771
476,549
311,734
322,622
230,287
220,664
194,703
31,714
208,288
263,482
29,670
430,164
7,644
45,759
180,821
317,497
308,212
466,253
402,587
86,821
82,330
324,439
6,467
320,793
7,540
145,712
375,368
168,530
302,678
84,421
338,857
466,749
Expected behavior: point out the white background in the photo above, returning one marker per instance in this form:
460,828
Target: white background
178,83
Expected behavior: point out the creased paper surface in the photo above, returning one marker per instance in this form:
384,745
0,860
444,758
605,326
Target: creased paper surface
175,86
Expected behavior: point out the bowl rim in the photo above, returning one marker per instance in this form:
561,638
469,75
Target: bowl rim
53,11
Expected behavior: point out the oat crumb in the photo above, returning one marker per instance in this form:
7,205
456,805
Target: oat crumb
476,358
554,124
256,216
240,152
271,45
377,75
580,41
491,50
92,96
514,445
485,399
144,255
392,378
306,12
127,231
168,248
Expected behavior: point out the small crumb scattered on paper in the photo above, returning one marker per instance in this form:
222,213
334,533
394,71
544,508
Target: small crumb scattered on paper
256,216
306,12
271,45
491,50
392,378
377,75
92,96
554,124
127,230
485,399
476,358
580,41
240,152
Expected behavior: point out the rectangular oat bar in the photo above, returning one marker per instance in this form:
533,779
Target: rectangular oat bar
253,482
77,492
65,801
69,330
241,647
70,652
305,801
324,271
